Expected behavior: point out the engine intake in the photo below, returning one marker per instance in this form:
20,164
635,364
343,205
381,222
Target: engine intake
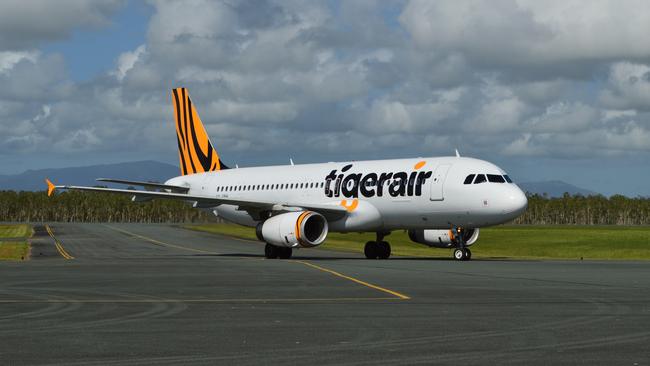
442,238
303,228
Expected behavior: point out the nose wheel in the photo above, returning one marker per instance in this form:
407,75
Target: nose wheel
461,253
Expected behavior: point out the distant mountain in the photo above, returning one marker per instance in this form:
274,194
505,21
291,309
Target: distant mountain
554,188
34,180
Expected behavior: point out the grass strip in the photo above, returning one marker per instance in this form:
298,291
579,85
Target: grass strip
513,242
15,231
14,251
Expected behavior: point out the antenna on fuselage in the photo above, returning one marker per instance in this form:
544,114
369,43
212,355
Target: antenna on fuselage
457,154
237,166
291,161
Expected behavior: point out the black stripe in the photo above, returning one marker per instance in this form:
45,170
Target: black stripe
187,138
180,153
205,160
178,118
222,165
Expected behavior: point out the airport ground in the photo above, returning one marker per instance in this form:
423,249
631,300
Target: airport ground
163,295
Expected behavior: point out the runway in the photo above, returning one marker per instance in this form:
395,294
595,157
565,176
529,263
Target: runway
133,294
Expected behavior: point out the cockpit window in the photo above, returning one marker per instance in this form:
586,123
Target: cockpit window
507,178
469,179
493,178
480,178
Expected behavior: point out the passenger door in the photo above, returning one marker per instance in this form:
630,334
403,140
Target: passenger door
437,182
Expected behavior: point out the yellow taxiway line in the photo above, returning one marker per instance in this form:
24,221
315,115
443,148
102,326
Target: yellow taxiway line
58,245
158,242
349,278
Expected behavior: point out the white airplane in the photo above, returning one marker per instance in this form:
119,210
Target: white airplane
442,202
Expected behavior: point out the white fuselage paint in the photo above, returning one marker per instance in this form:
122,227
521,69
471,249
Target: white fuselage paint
443,200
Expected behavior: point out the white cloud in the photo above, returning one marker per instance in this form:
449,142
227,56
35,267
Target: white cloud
628,86
510,32
271,78
127,60
8,59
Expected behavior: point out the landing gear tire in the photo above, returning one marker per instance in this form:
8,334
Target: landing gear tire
468,254
371,250
271,251
463,254
285,253
377,250
384,250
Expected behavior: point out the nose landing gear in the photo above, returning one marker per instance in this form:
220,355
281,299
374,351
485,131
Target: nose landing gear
461,253
377,249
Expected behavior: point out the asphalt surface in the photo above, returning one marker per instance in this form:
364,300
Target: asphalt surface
161,295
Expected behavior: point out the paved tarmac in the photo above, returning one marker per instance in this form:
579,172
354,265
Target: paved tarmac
162,295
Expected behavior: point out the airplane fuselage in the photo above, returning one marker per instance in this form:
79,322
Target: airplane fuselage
380,195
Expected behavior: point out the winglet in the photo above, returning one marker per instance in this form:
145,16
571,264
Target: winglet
50,187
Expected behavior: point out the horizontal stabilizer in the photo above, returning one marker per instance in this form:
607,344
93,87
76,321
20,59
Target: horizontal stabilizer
150,186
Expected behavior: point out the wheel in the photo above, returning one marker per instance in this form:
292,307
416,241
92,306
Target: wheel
285,253
271,251
468,254
459,254
384,250
371,250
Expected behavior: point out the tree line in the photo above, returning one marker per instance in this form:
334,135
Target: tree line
74,206
586,210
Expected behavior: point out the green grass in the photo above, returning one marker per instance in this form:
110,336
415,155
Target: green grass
14,251
531,242
15,231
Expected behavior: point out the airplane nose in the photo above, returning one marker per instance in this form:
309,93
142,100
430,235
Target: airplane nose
517,201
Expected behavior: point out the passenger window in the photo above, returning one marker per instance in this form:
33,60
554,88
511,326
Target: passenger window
469,179
493,178
480,178
507,178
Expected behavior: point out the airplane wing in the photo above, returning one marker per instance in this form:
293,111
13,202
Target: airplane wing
254,207
147,185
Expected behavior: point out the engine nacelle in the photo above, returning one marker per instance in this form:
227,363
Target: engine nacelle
303,228
442,238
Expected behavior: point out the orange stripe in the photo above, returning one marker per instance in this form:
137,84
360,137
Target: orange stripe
299,224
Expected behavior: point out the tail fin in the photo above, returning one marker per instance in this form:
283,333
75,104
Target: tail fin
194,147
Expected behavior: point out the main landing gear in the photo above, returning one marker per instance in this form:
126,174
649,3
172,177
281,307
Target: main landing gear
461,253
379,249
273,252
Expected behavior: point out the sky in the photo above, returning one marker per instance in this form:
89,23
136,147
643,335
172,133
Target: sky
548,90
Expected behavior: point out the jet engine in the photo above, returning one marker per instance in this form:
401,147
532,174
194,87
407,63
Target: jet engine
304,228
442,238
